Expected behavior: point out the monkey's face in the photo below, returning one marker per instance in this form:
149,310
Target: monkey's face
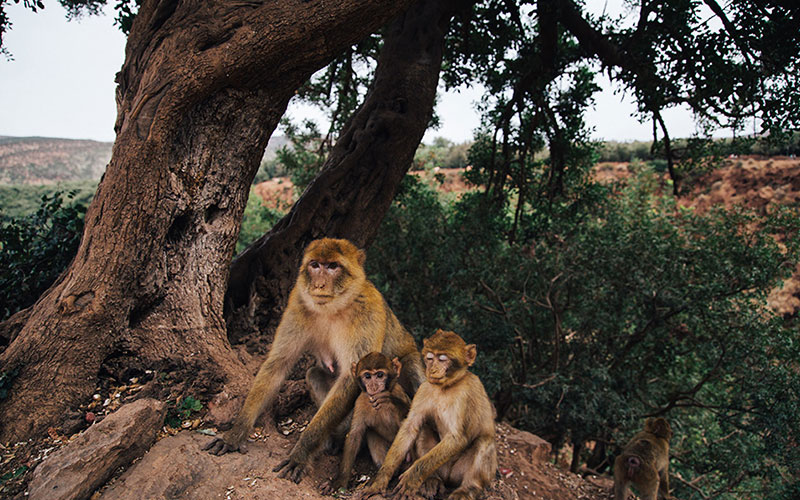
324,280
375,372
374,381
447,357
438,366
331,269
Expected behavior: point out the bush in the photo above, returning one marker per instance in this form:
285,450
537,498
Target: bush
36,249
256,220
615,306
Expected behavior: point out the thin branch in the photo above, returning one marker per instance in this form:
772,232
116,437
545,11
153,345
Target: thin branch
537,384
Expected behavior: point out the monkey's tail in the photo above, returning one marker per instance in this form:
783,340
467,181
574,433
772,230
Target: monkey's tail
633,464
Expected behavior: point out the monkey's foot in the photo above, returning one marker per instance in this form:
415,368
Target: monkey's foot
329,487
367,493
407,490
218,447
464,494
292,470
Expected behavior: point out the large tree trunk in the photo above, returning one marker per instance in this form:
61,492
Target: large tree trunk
203,86
361,175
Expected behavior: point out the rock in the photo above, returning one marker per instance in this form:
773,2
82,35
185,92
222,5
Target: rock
530,446
77,469
178,467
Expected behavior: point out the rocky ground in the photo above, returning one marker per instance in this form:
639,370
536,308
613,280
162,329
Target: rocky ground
94,464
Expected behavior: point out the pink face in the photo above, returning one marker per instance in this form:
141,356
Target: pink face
323,279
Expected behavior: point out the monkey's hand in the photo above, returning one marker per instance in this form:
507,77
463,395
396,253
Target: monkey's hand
291,469
378,399
229,442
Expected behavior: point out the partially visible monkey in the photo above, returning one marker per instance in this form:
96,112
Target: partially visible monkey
645,462
379,409
452,424
336,314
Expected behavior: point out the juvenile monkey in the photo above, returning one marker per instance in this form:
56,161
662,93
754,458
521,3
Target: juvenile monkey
379,409
645,462
336,314
450,421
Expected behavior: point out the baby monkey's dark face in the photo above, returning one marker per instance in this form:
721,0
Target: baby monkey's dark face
374,381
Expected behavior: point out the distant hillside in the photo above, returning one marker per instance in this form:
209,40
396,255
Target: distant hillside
45,160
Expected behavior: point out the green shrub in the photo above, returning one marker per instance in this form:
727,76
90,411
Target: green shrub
35,250
256,220
613,305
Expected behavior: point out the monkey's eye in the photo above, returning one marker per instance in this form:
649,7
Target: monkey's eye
314,264
379,375
429,356
442,357
333,265
367,376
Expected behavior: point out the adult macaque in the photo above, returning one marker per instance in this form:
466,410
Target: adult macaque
450,421
645,462
338,316
379,409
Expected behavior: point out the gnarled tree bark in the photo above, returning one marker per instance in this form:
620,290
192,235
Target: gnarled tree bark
203,86
360,177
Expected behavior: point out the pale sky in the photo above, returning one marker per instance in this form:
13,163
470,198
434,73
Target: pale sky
61,84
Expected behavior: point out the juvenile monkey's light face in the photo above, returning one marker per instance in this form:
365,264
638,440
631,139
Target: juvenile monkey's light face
437,366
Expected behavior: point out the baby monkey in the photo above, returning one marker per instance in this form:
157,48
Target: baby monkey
377,414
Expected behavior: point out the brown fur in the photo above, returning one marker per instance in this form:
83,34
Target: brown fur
645,463
336,314
450,422
378,411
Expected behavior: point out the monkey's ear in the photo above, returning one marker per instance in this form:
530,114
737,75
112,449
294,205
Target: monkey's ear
661,428
362,257
470,353
397,365
353,370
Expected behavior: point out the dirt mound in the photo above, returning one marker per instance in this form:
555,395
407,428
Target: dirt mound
177,467
748,181
760,184
277,193
445,180
41,160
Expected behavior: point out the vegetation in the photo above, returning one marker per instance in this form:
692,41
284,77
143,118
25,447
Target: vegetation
36,249
256,221
20,200
180,410
606,306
